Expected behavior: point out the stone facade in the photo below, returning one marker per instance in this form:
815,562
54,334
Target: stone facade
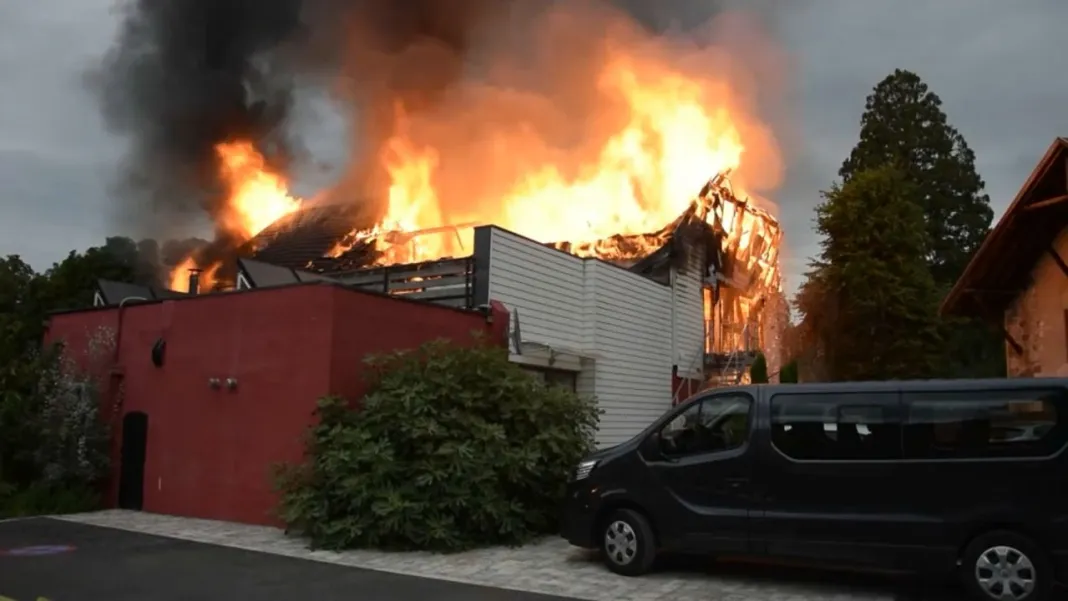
1036,320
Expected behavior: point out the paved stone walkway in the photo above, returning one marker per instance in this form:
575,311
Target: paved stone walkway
550,567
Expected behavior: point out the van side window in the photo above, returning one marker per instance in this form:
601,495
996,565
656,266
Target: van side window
717,423
843,426
996,423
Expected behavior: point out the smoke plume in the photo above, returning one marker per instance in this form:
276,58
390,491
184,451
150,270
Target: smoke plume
464,76
182,77
186,75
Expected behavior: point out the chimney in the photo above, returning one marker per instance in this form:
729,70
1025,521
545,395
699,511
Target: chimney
194,281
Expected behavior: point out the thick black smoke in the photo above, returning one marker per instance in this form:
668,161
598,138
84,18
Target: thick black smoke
679,15
185,75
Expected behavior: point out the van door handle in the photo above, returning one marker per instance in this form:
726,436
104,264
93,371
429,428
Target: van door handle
735,483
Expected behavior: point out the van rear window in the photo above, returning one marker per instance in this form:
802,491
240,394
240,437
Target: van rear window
971,424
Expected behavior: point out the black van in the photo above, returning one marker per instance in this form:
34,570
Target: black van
958,476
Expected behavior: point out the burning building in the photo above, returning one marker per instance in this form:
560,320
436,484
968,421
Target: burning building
727,245
640,321
529,162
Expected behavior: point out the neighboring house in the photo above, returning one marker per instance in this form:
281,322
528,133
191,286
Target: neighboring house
1018,279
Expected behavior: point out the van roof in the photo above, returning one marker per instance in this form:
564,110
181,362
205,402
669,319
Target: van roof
911,385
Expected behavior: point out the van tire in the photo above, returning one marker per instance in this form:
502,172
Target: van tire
1041,572
628,543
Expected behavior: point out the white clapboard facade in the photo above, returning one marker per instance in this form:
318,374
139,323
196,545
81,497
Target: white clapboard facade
620,333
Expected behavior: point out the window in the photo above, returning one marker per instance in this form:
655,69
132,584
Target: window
715,424
961,425
842,426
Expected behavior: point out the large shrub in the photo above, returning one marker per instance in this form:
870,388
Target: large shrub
788,375
452,448
56,438
758,372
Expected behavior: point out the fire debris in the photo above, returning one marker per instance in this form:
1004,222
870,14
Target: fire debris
741,240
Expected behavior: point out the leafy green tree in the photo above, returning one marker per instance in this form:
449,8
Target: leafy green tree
758,371
904,125
72,281
453,447
880,298
21,312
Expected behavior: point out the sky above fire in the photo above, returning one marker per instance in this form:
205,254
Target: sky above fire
995,64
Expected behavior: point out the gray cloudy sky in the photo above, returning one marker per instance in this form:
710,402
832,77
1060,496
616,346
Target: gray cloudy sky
995,64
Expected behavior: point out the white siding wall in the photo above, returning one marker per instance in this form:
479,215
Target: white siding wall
689,322
546,285
624,322
631,317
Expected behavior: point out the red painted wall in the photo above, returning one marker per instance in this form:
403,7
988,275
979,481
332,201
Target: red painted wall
210,451
683,388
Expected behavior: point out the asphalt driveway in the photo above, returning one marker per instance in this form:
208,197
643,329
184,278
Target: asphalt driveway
60,561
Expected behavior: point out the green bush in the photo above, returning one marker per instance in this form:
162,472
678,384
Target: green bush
453,448
46,499
55,437
788,373
758,372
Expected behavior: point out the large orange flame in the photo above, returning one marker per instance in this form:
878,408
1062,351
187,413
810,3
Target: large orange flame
677,135
257,196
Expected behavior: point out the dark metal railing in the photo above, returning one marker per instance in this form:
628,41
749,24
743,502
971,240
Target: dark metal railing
446,281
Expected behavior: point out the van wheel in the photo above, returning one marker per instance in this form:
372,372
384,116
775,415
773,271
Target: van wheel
1006,566
628,544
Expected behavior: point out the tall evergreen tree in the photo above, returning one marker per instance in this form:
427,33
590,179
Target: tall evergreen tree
904,125
877,290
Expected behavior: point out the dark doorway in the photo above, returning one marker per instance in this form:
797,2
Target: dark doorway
132,466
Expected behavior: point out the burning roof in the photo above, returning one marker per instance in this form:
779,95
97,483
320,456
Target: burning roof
742,240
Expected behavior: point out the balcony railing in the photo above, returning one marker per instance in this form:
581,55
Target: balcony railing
447,281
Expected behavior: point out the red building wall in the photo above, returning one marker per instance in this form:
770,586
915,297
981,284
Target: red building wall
683,388
210,450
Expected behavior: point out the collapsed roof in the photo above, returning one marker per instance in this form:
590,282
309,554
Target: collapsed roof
741,241
303,239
